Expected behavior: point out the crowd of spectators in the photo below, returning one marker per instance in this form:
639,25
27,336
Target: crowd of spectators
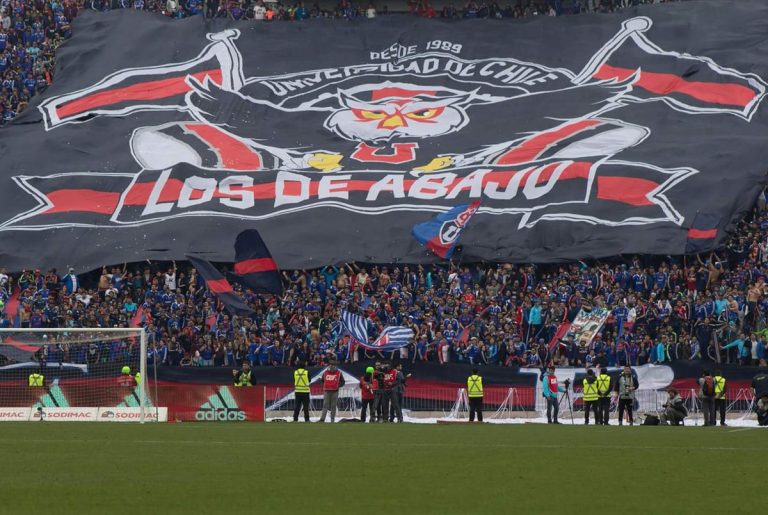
661,309
31,30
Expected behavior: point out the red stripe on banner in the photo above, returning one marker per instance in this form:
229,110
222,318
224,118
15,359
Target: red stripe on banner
627,190
666,83
252,266
219,286
399,93
534,146
150,90
702,234
21,346
234,154
85,201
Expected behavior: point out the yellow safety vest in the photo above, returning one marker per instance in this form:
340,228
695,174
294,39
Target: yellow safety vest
244,380
475,386
603,385
589,390
301,381
35,380
719,387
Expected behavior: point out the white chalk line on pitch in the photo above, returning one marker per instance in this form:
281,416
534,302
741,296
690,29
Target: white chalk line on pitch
390,444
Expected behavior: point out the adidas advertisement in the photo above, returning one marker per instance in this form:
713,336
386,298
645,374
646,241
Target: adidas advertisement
220,407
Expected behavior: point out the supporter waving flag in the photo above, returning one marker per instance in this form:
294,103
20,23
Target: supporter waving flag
441,234
220,286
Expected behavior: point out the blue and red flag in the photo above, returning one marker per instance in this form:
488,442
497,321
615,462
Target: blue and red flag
441,234
216,282
254,266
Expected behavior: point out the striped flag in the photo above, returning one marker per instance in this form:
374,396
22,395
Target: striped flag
355,325
391,338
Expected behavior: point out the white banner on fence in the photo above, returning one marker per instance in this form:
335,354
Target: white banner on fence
132,415
64,414
14,414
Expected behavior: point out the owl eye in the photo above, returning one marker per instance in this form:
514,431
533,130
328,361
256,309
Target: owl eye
425,114
364,114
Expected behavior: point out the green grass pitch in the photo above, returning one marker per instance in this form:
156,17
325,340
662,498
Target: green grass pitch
370,469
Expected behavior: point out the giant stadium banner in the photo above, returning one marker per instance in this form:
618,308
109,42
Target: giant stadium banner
582,137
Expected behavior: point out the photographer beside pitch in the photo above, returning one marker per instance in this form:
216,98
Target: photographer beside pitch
707,396
674,409
550,389
625,388
760,390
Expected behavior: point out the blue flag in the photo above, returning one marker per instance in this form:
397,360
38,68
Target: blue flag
441,234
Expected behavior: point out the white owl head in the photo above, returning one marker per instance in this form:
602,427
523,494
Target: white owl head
382,112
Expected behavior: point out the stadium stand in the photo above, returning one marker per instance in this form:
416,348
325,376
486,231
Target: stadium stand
659,309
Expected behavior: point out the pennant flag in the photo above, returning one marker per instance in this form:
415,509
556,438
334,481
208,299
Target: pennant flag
441,234
702,233
211,321
220,286
138,317
356,326
464,336
559,335
391,338
254,266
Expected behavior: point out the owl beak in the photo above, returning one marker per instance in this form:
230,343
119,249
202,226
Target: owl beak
393,122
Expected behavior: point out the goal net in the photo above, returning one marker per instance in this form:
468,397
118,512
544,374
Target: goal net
75,375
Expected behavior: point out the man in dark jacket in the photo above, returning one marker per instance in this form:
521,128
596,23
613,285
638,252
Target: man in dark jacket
762,410
707,396
760,390
398,390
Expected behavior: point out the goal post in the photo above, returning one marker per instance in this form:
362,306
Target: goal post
69,374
